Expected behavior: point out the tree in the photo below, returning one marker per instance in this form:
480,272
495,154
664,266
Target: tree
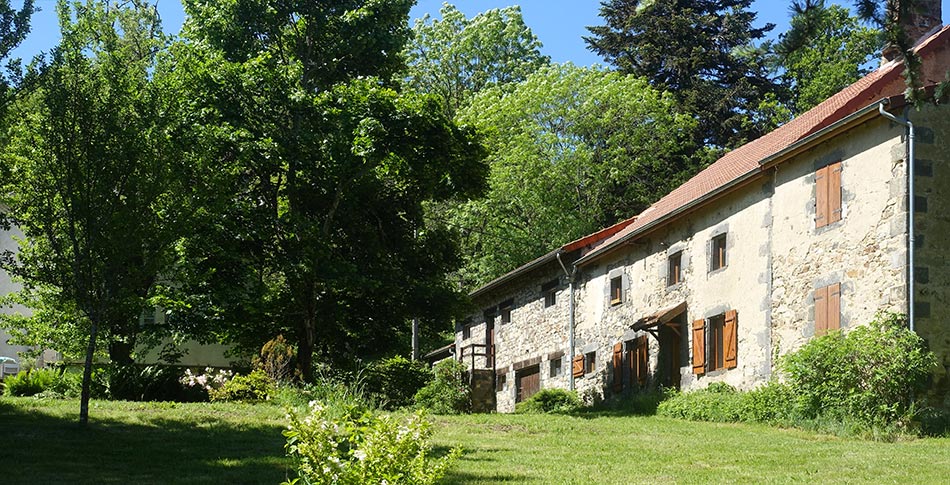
824,51
571,150
693,49
14,27
90,179
456,57
317,168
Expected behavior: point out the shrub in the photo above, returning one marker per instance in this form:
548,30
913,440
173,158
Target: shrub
277,359
394,381
447,393
28,383
135,382
772,402
717,404
206,382
256,386
550,401
869,374
351,445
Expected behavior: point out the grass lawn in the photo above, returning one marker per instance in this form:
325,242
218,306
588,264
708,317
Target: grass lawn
238,443
632,449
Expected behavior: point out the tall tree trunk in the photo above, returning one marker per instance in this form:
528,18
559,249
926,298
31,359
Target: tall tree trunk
87,375
305,340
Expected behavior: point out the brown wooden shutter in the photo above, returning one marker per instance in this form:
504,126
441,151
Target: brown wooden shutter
821,311
821,197
699,347
618,367
577,365
833,320
730,340
642,360
834,192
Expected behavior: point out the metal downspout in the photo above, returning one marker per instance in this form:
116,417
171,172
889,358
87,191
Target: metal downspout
570,319
910,209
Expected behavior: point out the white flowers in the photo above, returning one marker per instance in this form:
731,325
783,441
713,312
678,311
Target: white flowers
211,379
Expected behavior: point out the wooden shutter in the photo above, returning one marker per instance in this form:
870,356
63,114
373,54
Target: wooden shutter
642,360
834,306
834,192
821,311
618,367
821,197
577,365
699,347
730,340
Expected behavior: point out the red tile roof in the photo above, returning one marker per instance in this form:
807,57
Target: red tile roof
884,82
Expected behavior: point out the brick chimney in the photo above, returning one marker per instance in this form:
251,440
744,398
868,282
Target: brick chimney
924,18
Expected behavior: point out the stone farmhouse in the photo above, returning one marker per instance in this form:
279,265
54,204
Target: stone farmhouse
815,226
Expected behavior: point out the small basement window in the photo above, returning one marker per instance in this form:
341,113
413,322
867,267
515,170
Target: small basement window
555,367
590,362
717,258
616,290
501,382
675,269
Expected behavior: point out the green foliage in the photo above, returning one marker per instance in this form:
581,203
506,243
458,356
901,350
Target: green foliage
396,380
454,58
717,405
256,386
869,374
315,168
824,51
277,359
28,383
698,50
572,150
351,445
447,393
558,401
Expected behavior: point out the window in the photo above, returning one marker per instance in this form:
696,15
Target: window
717,254
555,367
827,309
147,317
828,195
466,330
590,362
549,292
715,343
637,359
675,269
501,382
616,290
504,311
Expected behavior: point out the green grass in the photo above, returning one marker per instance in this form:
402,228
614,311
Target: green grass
141,443
242,443
604,450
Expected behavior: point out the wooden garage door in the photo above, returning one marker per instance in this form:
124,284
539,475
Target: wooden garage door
529,382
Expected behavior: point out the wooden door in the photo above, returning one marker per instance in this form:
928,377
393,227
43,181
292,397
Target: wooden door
490,344
529,382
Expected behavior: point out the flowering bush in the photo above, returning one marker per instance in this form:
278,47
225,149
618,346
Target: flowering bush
211,379
348,444
255,386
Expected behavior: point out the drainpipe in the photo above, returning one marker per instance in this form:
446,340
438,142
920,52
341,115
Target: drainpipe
570,325
910,209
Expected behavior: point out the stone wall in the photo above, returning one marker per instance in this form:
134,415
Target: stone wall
932,241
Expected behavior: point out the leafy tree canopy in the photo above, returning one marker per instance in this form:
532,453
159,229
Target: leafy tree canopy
456,57
321,167
699,51
572,150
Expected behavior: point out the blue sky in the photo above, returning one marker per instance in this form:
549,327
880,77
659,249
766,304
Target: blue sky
559,24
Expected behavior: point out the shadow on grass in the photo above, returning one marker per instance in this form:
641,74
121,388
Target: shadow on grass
41,448
482,456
